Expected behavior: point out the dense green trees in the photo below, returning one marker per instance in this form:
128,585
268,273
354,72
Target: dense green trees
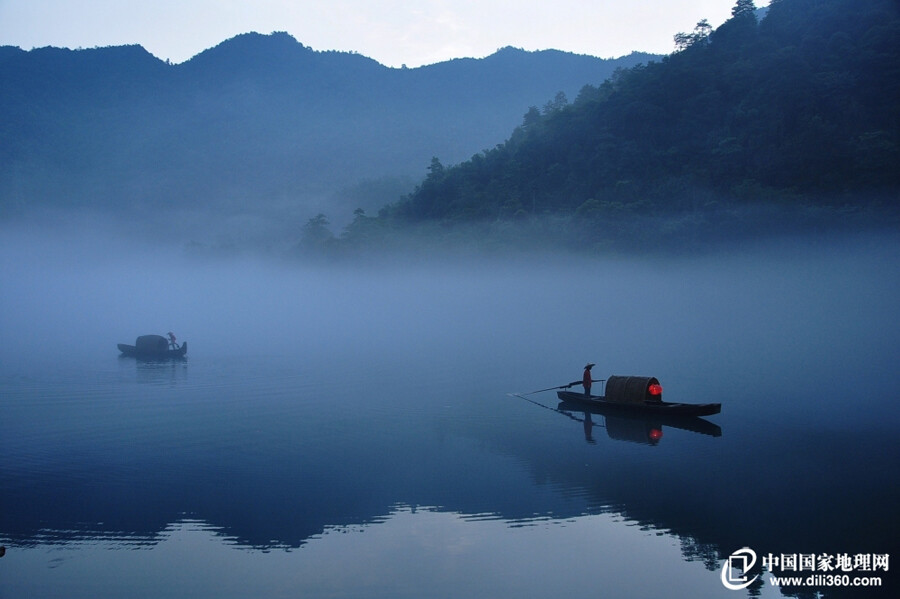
801,108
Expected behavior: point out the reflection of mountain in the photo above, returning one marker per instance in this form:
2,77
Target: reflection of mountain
276,472
767,485
240,464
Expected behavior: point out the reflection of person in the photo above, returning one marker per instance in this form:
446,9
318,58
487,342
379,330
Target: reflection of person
589,429
586,379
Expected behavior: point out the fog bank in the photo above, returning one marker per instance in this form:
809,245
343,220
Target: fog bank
814,308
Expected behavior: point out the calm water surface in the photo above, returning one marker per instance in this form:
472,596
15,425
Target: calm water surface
350,433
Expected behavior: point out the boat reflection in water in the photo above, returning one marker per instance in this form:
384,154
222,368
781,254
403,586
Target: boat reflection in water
634,427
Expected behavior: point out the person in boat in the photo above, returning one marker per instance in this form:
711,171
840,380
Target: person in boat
172,343
586,379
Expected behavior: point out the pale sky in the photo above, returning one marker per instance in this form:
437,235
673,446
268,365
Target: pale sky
393,32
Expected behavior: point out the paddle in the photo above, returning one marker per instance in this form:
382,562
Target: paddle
572,384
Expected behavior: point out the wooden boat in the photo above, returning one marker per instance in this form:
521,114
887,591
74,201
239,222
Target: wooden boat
153,347
637,394
645,406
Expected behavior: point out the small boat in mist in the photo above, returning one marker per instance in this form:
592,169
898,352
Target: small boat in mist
154,347
639,394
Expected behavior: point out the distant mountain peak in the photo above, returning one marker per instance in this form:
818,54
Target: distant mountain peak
253,44
258,120
274,39
250,52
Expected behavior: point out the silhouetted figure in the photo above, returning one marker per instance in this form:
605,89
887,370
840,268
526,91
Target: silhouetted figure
172,343
586,379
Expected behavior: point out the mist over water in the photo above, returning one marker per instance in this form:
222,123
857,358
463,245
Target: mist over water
812,307
796,317
317,397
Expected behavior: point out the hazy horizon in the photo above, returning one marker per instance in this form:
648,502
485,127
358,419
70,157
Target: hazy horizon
393,34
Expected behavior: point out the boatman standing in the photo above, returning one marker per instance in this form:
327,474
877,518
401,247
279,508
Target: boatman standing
586,379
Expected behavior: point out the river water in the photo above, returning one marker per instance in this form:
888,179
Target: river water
340,431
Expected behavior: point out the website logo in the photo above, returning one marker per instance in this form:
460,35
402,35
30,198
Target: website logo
737,567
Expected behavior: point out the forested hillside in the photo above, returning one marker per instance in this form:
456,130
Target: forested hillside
258,125
760,125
